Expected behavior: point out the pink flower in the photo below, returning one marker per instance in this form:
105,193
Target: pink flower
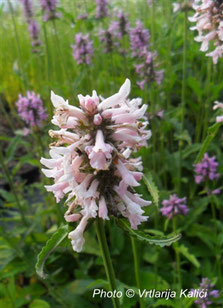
209,24
91,160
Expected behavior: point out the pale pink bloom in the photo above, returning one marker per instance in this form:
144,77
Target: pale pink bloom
91,160
216,106
103,211
176,7
209,24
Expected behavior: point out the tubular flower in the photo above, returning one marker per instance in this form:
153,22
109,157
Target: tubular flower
31,110
210,293
49,8
174,206
139,39
82,49
216,106
101,8
91,160
209,24
206,169
147,70
34,34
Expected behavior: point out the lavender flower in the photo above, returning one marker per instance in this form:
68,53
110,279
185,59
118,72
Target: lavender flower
174,206
208,287
27,9
216,106
91,161
147,70
49,9
30,109
82,49
139,39
34,34
33,27
206,169
102,8
108,39
209,24
121,27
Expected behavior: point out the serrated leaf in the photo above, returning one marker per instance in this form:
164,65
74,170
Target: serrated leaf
184,251
50,246
212,131
161,241
152,188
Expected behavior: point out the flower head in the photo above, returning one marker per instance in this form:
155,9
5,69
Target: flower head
147,69
139,38
82,49
174,206
210,293
206,169
49,8
30,109
91,160
121,27
27,9
34,34
102,8
209,24
107,37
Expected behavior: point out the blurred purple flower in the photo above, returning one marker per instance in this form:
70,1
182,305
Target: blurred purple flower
33,27
101,9
207,286
82,49
27,9
108,39
206,169
174,206
121,27
139,39
34,30
49,9
31,110
147,70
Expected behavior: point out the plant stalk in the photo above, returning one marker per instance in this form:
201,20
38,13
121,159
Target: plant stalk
106,259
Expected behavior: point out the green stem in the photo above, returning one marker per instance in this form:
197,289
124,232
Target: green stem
17,43
11,185
183,95
175,245
65,72
106,259
136,268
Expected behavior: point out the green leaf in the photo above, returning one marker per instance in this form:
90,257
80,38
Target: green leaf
50,246
162,241
37,303
152,188
184,251
12,148
212,131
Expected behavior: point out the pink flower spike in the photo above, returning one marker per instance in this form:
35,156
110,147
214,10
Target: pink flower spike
90,161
